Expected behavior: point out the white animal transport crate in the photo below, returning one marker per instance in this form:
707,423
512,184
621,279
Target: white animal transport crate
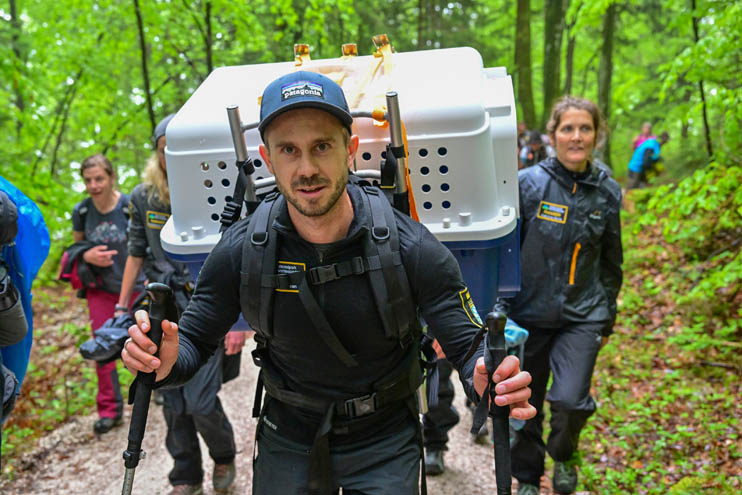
461,129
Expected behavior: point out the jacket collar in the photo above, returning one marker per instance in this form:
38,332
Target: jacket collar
563,176
359,224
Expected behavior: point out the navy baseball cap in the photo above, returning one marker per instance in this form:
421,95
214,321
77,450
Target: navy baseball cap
303,89
161,128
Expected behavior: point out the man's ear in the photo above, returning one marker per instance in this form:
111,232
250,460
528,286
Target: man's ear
353,144
266,157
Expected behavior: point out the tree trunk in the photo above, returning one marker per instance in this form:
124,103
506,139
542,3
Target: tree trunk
605,72
523,61
553,28
145,71
707,133
569,61
15,42
420,23
569,64
208,40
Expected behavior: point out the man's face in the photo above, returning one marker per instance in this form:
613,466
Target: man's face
309,154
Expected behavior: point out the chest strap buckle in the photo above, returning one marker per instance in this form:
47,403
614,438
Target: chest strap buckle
360,406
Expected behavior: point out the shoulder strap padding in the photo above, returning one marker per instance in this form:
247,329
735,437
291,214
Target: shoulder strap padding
259,251
390,285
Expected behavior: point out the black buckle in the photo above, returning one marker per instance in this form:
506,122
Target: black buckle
360,406
357,265
322,274
380,233
259,238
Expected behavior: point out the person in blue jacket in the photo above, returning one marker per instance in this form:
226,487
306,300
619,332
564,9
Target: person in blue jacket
645,156
24,245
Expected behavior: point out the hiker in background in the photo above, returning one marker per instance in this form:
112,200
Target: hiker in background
571,257
644,159
533,152
522,134
645,134
24,245
193,408
99,229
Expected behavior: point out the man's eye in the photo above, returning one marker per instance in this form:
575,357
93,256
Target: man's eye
288,149
323,147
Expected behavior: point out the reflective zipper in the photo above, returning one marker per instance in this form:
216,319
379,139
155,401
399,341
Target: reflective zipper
574,264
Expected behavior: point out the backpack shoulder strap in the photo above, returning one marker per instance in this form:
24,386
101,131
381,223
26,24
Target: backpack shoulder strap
125,208
259,251
83,210
389,283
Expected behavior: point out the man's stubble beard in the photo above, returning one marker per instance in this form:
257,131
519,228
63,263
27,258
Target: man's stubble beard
315,180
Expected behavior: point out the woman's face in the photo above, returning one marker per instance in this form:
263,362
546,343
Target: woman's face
161,153
97,181
574,139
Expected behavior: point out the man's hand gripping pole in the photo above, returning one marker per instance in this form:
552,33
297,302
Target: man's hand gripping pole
142,389
494,353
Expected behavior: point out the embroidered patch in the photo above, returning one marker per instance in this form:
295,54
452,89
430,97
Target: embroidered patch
552,212
156,219
471,310
302,88
288,267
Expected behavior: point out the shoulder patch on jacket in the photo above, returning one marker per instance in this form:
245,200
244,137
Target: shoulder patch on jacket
552,212
469,308
156,219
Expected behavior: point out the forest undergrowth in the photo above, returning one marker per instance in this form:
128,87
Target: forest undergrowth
668,383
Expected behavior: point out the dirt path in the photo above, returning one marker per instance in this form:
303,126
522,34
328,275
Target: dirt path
72,460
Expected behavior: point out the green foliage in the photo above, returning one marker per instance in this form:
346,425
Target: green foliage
700,221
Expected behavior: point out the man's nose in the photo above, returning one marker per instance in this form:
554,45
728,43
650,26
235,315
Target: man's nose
307,165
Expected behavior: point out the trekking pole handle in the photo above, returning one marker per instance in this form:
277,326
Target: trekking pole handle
159,295
495,353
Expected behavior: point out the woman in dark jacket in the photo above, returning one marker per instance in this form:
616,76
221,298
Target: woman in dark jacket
571,257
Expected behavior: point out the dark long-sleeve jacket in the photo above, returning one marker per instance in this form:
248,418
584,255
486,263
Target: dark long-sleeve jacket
305,362
148,216
571,250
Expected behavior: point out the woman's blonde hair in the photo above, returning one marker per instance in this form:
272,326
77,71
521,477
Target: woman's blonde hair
155,180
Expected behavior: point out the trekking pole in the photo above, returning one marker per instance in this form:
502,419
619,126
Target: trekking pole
159,296
494,352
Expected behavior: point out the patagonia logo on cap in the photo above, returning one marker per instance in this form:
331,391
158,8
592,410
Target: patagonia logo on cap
302,88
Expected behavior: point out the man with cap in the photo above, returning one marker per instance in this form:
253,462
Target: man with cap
193,408
340,408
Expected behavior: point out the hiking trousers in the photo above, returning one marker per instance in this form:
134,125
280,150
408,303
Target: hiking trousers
381,466
195,409
109,400
568,354
439,420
